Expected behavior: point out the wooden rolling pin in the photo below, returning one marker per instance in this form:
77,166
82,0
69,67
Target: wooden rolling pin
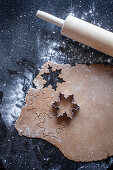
82,31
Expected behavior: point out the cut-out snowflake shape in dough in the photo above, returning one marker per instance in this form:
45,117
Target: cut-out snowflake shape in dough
65,105
52,78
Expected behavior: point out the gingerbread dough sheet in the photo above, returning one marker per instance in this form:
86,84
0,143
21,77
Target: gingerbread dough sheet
88,135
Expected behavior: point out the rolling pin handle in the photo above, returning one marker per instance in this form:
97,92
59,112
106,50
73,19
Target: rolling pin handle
50,18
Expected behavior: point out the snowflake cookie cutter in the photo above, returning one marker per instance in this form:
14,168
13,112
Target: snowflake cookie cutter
65,105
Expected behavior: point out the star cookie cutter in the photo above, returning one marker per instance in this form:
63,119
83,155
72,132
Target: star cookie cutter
65,105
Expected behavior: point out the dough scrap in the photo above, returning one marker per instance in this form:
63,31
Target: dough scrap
89,135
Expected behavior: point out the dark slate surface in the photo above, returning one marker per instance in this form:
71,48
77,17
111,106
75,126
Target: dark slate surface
26,43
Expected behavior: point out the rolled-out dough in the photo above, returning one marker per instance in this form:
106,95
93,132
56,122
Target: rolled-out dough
89,135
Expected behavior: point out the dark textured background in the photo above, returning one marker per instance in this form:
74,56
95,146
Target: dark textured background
26,43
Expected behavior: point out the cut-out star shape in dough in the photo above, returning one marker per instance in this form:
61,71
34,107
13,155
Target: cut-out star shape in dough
52,78
65,105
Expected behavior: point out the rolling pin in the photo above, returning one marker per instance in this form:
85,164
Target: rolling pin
82,31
